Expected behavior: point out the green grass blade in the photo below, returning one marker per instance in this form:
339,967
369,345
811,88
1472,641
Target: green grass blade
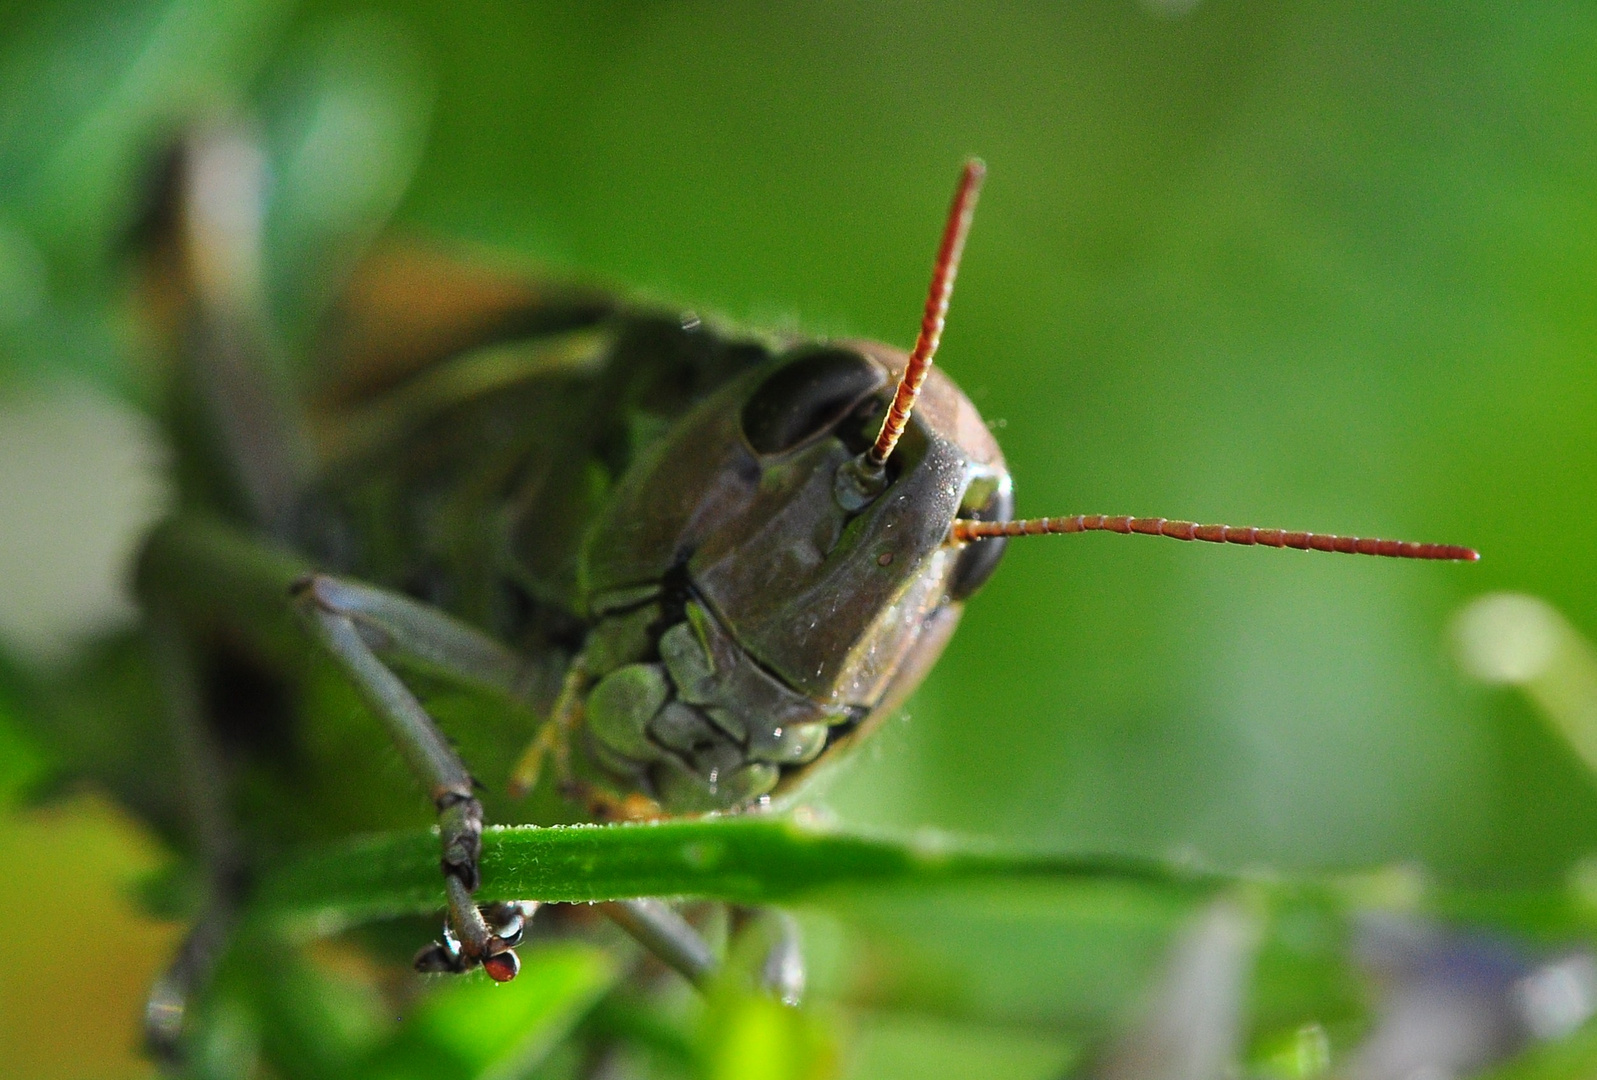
745,860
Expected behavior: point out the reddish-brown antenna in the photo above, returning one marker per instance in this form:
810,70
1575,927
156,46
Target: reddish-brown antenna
1213,534
931,323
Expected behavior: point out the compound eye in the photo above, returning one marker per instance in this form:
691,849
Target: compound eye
806,397
978,561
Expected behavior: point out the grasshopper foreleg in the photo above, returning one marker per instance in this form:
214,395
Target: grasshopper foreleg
554,736
435,763
396,625
667,935
783,974
677,944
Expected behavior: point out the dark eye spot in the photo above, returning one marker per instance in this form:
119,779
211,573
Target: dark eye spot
814,389
978,561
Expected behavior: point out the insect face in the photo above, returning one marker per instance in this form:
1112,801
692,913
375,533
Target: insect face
802,611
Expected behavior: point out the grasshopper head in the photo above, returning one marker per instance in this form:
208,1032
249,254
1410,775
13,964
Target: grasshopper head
793,607
792,537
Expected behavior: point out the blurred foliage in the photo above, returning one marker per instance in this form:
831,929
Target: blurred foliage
1326,267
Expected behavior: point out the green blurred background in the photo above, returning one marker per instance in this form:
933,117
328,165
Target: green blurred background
1317,266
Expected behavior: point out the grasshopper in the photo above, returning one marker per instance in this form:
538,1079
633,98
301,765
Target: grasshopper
690,563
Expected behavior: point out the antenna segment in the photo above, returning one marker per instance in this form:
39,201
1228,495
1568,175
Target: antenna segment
931,324
966,530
